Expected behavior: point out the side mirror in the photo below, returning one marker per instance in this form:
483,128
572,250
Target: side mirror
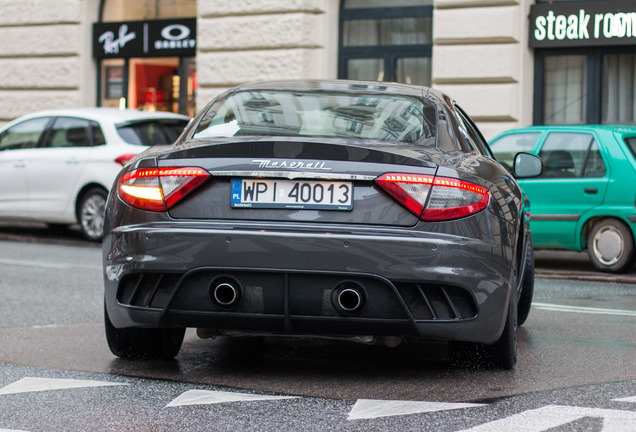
527,165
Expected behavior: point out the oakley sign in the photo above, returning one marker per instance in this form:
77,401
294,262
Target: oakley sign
583,24
145,38
175,36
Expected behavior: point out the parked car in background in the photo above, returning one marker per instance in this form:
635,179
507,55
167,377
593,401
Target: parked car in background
362,210
585,198
57,166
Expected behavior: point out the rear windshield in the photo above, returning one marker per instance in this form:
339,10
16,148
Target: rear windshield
151,132
295,113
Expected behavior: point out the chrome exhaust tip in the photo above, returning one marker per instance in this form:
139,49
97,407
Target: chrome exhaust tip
349,298
225,293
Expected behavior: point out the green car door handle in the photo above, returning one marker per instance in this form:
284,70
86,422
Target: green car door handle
591,190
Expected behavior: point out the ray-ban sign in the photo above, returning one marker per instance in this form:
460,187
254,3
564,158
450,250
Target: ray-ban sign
160,38
583,24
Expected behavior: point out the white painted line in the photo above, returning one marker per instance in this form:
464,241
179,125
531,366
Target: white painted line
373,408
12,430
582,309
30,384
61,266
206,397
553,416
627,399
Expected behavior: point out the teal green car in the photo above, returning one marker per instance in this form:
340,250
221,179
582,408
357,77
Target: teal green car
585,199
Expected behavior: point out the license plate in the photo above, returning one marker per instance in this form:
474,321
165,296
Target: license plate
292,194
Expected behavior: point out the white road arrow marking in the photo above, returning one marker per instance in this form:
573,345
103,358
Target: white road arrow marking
627,399
30,384
373,408
553,416
206,397
582,309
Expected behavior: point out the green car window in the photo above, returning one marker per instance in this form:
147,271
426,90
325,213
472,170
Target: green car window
594,165
571,155
506,147
631,144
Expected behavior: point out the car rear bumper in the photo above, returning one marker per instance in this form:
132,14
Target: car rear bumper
433,286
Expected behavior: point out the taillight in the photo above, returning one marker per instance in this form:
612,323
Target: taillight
444,198
158,189
124,159
453,199
410,190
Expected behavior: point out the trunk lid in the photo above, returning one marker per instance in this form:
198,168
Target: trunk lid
292,180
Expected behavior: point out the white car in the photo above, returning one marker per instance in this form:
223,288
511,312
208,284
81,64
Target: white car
57,166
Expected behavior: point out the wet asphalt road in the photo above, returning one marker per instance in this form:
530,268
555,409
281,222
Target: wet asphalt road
57,310
581,332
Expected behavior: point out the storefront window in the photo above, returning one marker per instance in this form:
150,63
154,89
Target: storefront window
619,85
395,31
145,51
593,85
126,10
585,61
384,40
113,86
565,89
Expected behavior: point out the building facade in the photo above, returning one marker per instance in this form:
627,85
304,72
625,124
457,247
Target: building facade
508,62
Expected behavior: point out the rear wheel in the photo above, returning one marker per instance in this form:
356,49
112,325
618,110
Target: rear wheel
90,213
504,351
143,343
502,354
611,246
527,286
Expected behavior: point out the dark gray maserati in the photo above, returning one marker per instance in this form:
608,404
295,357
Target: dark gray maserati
369,211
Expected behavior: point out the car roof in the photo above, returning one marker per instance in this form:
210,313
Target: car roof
114,115
574,128
337,85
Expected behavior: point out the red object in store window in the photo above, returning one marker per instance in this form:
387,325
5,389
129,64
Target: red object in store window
154,97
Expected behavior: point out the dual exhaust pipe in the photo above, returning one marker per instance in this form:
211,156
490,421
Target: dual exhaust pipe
348,297
225,292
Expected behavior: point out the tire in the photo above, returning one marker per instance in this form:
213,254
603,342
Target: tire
611,246
90,213
504,351
143,343
500,355
527,286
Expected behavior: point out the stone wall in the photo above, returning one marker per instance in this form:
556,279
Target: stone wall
45,55
255,40
481,58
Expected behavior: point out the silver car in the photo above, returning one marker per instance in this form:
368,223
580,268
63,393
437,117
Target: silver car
57,166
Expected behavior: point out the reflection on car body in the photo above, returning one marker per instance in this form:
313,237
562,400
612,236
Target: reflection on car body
325,208
582,199
57,166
